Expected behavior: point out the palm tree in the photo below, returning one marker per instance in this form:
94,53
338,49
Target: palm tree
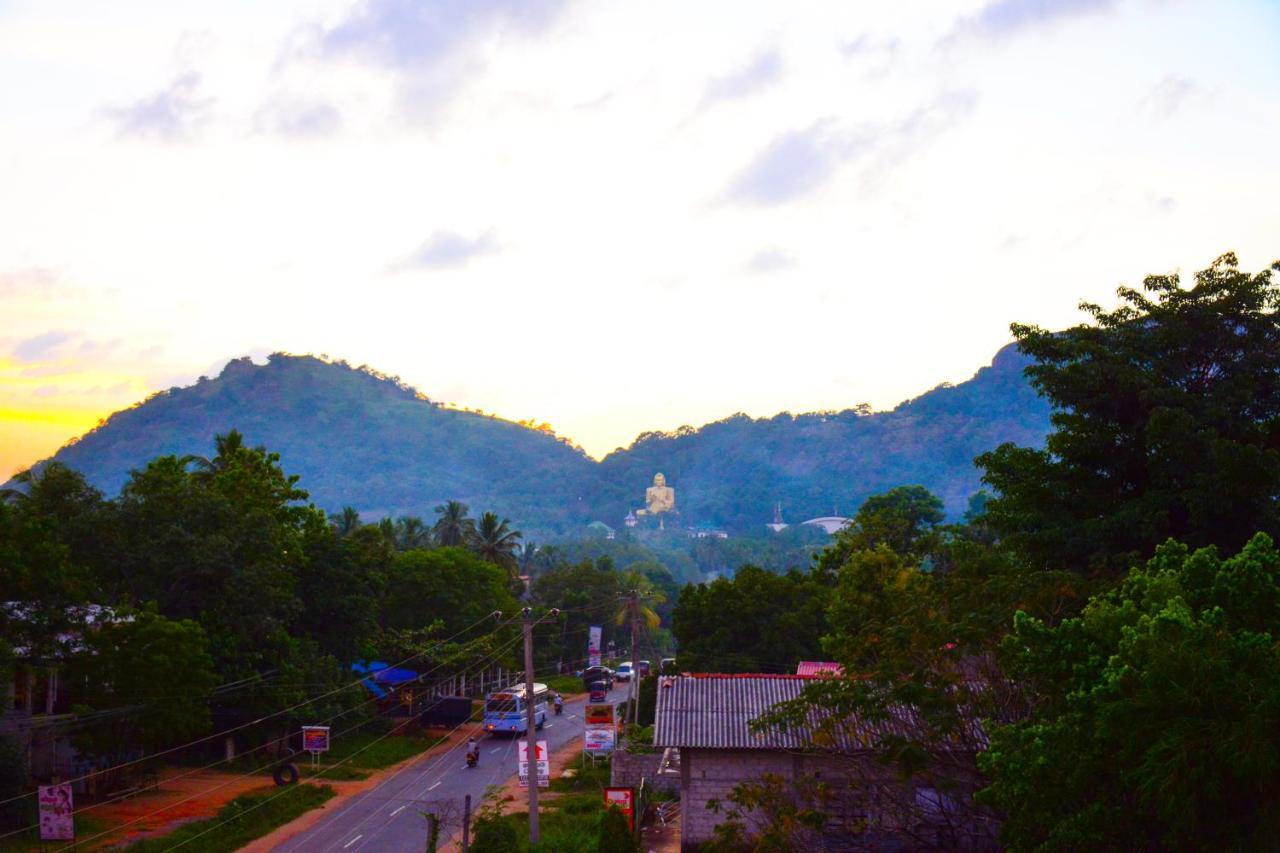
411,532
346,523
225,447
496,542
388,531
637,609
453,527
527,557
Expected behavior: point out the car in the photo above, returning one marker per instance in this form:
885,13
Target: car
623,672
592,674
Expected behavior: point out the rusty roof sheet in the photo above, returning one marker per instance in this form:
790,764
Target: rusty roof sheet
819,667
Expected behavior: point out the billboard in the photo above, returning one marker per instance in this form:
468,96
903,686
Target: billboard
56,820
315,739
544,764
593,646
624,799
598,740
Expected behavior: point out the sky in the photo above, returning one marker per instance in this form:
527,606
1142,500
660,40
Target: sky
610,216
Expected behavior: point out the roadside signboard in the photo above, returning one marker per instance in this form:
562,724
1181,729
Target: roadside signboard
598,740
56,821
544,764
599,715
623,799
315,739
593,646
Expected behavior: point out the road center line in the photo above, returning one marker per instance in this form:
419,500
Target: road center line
496,749
402,808
354,840
437,784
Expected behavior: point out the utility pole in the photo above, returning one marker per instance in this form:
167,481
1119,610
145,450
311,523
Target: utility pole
530,725
633,606
466,824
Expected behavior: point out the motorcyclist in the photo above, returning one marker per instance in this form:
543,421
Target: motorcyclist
473,750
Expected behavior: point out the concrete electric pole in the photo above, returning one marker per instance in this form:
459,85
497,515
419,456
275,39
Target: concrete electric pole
531,751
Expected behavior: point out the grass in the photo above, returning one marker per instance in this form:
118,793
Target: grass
30,841
569,821
564,684
240,821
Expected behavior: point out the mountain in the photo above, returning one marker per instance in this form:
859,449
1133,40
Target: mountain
732,472
360,438
355,437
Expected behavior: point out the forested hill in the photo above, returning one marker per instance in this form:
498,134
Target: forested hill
362,439
733,471
354,437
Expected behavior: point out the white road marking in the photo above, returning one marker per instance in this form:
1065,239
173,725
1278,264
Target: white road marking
496,749
573,716
436,785
352,841
402,808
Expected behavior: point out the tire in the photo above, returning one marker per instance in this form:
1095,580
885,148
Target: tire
285,774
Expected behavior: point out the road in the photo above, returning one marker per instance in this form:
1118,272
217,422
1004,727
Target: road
391,816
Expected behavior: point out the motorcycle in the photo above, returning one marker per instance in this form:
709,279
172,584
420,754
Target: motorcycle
473,758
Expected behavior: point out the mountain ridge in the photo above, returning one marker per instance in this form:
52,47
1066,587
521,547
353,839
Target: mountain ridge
359,437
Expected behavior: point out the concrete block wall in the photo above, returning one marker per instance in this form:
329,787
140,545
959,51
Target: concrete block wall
627,769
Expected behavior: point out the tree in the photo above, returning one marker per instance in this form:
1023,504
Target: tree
453,527
154,676
585,593
347,522
1156,712
411,532
496,542
758,621
1166,424
451,585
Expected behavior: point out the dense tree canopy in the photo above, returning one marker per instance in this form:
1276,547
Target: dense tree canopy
1166,424
1157,712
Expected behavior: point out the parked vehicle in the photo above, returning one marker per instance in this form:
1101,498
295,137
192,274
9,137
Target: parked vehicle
597,673
667,666
506,711
598,691
643,668
624,671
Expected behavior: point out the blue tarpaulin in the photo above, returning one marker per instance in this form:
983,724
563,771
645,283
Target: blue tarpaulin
382,676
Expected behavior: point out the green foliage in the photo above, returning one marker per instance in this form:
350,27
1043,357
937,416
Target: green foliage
784,815
758,621
647,700
451,584
18,811
126,666
495,835
1166,421
586,594
615,833
1156,713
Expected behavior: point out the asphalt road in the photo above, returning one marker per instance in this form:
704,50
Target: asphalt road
392,816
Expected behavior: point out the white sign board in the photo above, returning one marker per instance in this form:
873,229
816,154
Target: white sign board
593,646
56,821
315,738
598,740
544,764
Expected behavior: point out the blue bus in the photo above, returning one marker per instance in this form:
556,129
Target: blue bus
506,711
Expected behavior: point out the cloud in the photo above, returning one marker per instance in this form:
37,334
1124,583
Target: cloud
28,281
879,53
297,118
170,115
763,71
770,260
1003,19
447,249
800,162
792,165
430,45
42,347
1167,96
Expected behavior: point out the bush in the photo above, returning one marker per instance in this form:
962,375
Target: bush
13,783
495,835
647,701
615,834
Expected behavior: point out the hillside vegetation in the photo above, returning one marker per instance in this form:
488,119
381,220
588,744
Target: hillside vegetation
355,436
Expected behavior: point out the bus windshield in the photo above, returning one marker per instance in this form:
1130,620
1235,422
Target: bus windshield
501,705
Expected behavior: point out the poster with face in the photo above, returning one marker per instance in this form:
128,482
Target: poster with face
56,820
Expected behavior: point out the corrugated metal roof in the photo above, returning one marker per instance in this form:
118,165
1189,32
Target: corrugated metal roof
715,712
817,667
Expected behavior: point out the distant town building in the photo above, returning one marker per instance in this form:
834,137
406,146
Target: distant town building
705,532
599,528
829,523
630,520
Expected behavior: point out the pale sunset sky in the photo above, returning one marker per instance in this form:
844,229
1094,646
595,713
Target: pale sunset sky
611,216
